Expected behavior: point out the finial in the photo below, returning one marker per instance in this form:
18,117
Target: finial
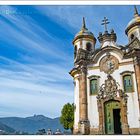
135,11
84,24
105,22
112,31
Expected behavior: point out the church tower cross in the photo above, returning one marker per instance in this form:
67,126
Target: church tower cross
105,22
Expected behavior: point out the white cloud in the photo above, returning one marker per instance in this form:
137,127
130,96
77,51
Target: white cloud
71,16
27,35
18,103
34,89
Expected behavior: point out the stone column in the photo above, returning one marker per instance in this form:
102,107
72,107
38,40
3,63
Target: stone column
137,71
136,55
125,126
100,109
84,123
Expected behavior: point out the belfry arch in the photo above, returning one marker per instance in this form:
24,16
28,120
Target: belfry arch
112,108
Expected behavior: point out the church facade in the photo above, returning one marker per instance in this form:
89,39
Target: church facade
107,81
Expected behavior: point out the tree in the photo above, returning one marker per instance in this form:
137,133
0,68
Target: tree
67,116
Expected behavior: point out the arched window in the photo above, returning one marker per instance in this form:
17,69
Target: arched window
132,36
75,51
88,46
93,86
128,83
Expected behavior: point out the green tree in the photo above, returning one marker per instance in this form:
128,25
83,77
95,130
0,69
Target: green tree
67,116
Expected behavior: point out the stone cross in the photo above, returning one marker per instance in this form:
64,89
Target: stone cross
105,22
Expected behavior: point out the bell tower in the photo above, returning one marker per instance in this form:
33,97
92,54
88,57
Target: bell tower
133,33
84,46
133,27
84,40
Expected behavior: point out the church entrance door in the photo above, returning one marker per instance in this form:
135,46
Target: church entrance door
112,117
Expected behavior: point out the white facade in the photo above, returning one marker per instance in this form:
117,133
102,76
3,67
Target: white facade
93,116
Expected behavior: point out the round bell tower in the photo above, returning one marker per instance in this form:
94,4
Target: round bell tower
84,44
84,39
133,27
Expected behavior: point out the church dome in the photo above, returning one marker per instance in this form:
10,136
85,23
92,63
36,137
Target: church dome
84,33
134,22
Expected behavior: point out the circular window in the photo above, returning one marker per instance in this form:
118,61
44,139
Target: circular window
88,46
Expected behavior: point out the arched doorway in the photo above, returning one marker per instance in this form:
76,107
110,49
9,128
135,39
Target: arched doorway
112,108
112,112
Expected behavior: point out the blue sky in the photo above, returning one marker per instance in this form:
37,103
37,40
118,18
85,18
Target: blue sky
36,53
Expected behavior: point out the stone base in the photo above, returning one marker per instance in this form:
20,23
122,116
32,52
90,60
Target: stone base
94,131
84,127
125,129
134,131
86,130
76,131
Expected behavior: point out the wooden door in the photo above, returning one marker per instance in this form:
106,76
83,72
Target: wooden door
109,118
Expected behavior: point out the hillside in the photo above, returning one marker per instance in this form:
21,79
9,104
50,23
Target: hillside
4,129
32,124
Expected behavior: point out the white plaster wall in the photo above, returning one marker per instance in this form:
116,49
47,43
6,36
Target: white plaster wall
133,108
76,102
78,45
108,43
92,108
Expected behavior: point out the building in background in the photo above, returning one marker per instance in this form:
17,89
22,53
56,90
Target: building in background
107,81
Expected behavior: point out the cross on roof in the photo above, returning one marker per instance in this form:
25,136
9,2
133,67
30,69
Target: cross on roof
105,22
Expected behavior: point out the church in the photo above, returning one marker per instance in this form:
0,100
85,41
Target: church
107,81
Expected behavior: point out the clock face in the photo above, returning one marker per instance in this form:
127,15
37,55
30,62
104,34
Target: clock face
108,64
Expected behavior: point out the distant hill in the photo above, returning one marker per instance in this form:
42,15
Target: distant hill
32,124
4,129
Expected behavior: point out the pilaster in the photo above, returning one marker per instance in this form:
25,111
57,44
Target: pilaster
84,123
125,126
136,58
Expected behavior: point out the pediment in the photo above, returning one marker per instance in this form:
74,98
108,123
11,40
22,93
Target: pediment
108,49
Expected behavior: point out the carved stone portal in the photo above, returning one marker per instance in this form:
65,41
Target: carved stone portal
109,92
